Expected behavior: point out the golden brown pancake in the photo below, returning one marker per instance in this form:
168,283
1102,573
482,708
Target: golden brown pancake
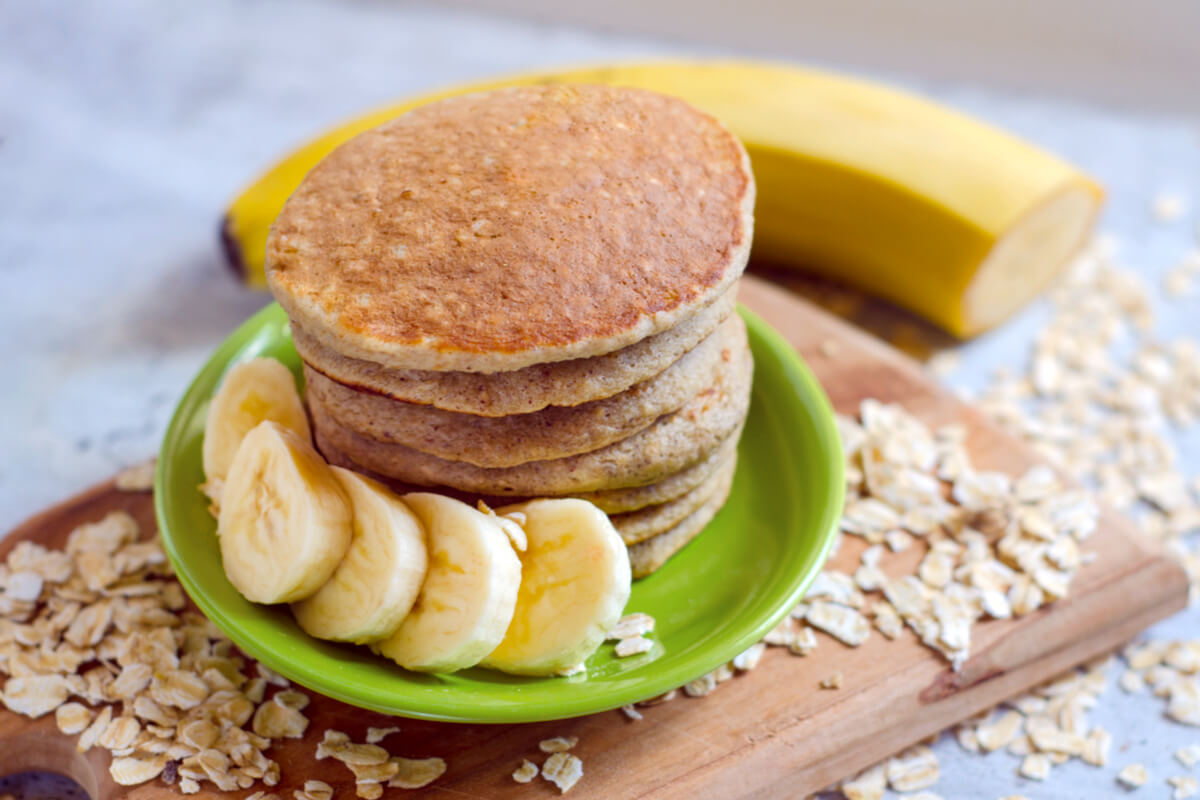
632,498
522,391
554,432
674,443
489,232
647,556
610,501
645,523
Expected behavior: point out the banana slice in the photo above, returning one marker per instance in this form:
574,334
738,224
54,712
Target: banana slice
575,582
374,587
251,392
285,522
469,594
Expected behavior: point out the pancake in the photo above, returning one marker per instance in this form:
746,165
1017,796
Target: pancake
610,501
492,231
638,526
617,501
522,391
673,443
554,432
647,556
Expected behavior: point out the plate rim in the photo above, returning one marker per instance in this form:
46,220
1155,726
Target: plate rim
654,683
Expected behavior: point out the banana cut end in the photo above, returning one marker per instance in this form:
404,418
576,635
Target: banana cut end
1027,257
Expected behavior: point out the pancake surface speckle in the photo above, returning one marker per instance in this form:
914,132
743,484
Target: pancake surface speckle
490,232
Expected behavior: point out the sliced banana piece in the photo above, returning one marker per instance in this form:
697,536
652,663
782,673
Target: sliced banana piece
575,582
252,391
469,594
285,521
374,587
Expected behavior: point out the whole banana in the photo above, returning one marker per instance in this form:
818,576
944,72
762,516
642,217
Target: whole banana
953,219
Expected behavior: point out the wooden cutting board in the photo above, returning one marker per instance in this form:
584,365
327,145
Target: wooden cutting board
767,733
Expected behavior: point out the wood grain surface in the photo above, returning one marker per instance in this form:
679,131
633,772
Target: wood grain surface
767,733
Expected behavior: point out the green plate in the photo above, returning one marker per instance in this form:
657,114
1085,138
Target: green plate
719,595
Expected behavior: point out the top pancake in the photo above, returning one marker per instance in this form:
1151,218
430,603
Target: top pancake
489,232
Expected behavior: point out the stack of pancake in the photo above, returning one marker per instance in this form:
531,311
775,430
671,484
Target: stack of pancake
530,292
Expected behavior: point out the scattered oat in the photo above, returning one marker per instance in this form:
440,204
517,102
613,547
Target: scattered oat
1144,656
372,765
832,681
1189,755
567,672
1035,766
1008,547
370,790
94,731
179,688
35,695
887,621
1184,786
804,642
138,478
271,677
526,772
1096,747
377,735
1167,207
967,739
1000,733
1131,682
120,734
169,697
558,744
1133,775
415,773
665,697
701,686
748,659
134,770
870,784
631,625
632,646
362,755
277,721
898,541
314,790
915,768
72,718
563,770
24,587
835,587
631,712
843,623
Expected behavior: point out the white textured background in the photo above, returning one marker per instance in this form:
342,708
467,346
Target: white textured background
127,125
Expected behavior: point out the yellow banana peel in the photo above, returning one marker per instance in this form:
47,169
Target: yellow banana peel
951,218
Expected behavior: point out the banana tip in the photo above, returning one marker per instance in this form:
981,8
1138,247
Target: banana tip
229,246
